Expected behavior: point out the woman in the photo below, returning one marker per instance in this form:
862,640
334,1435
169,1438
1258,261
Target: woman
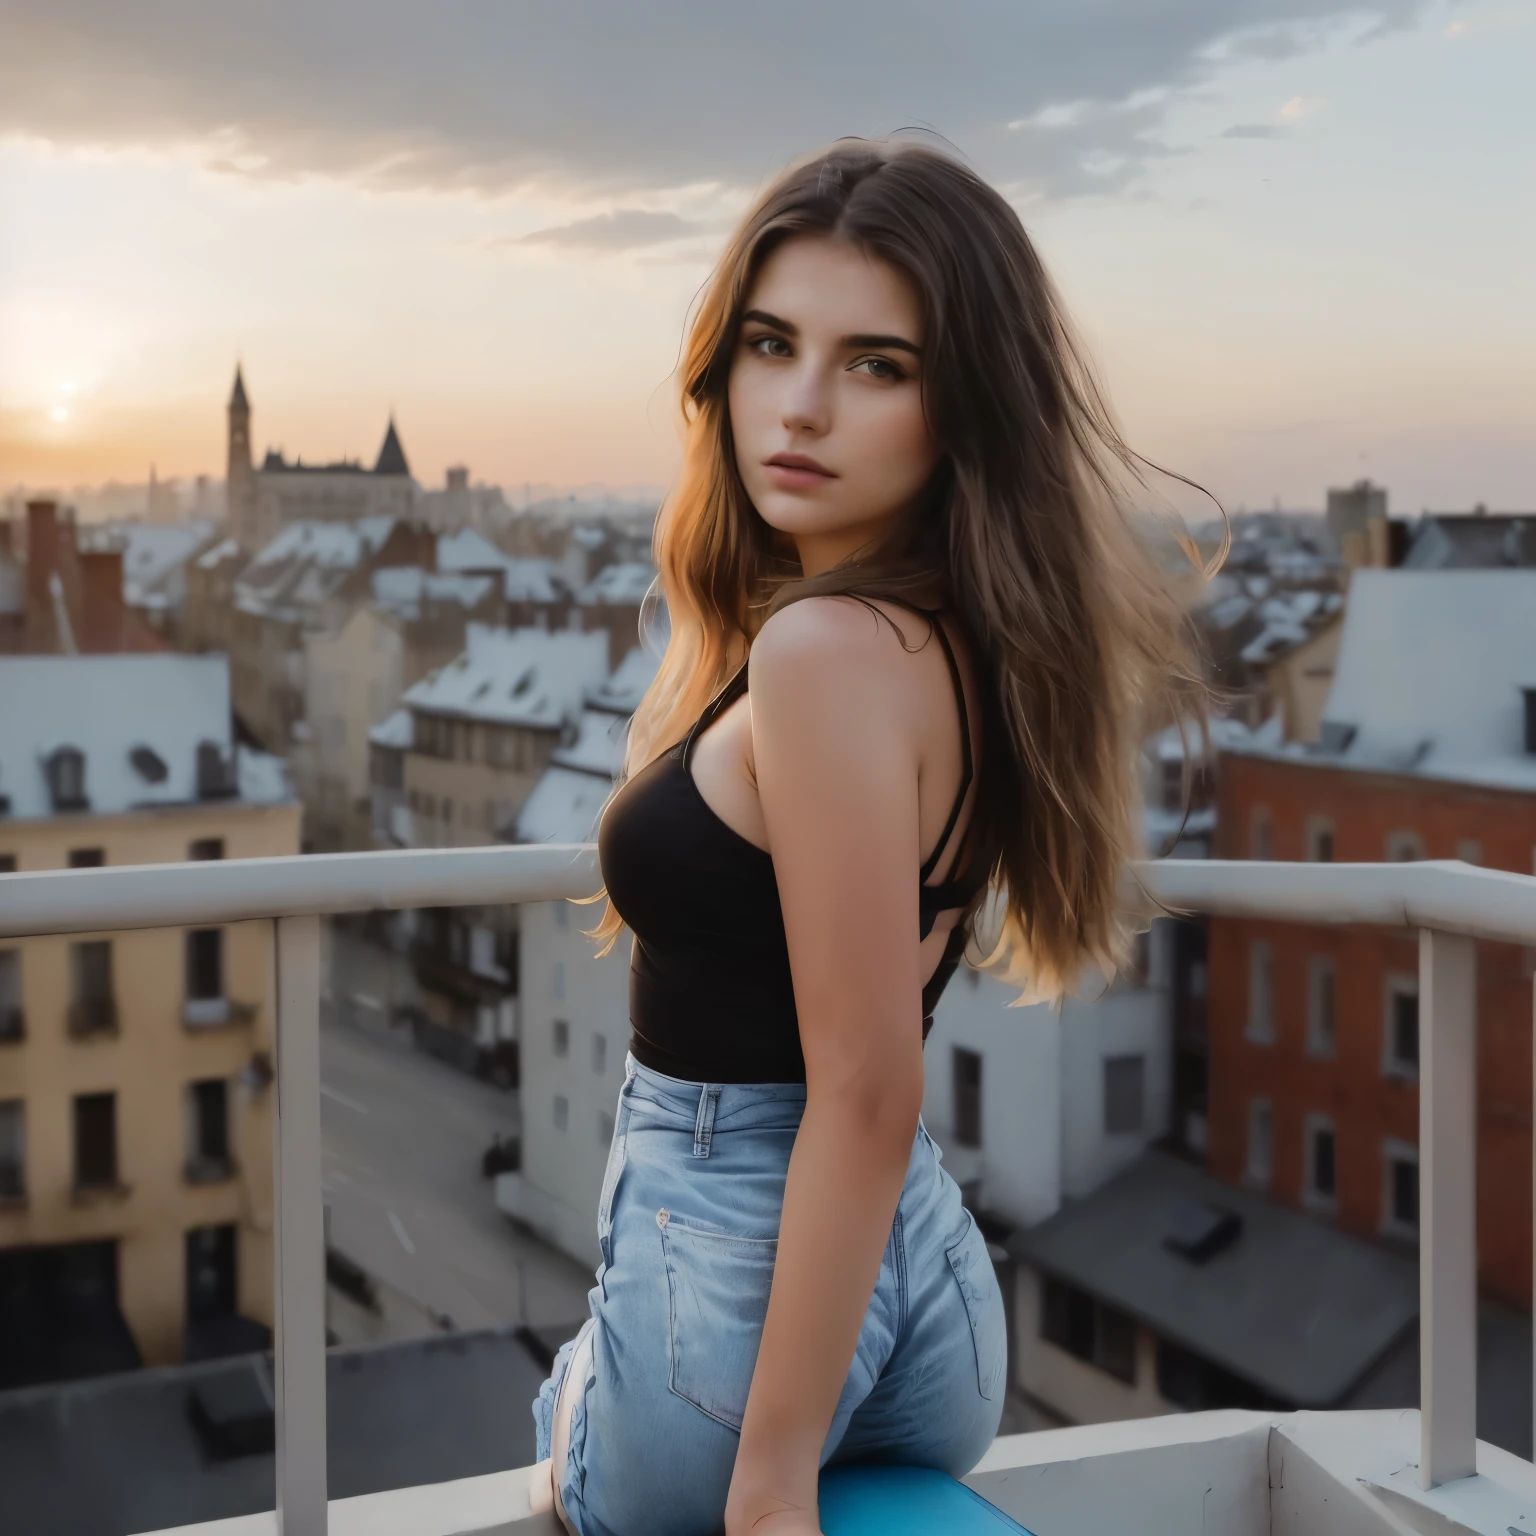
899,505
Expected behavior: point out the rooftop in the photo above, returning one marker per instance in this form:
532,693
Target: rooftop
626,581
407,591
531,677
138,722
1429,678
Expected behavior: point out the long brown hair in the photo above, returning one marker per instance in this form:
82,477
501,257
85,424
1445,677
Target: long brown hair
1079,642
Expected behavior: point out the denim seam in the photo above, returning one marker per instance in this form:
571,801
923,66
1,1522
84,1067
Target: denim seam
899,1257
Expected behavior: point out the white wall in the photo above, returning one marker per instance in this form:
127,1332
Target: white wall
562,1174
1042,1084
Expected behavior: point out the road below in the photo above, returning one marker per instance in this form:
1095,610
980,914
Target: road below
402,1136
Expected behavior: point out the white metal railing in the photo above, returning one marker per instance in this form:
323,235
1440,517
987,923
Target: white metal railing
1451,904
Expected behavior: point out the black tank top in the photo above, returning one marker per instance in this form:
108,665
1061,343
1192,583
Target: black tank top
710,993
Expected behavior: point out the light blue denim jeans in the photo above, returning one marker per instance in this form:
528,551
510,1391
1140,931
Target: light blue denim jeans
688,1223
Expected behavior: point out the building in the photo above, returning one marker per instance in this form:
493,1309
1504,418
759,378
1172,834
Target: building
64,595
265,500
307,580
451,769
1478,540
135,1108
612,602
1427,750
574,1008
413,621
155,557
1350,514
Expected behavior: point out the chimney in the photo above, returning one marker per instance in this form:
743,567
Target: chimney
42,550
1530,720
101,600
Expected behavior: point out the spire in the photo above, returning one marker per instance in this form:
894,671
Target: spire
237,400
391,460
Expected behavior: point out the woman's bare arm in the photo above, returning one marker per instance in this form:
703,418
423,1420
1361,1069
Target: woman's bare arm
837,762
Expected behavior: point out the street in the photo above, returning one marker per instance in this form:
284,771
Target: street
402,1138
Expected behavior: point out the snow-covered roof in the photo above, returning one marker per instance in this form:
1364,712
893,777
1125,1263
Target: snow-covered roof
622,691
531,579
225,549
393,731
627,581
467,550
138,721
152,553
1272,642
403,590
301,567
562,808
515,676
1429,676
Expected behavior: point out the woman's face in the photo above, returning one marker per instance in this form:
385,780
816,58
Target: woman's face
826,397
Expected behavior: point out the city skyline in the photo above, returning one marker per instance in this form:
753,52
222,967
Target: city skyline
1297,249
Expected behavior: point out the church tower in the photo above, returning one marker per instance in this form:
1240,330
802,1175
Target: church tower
240,481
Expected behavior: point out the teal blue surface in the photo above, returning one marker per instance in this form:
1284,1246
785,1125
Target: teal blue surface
906,1501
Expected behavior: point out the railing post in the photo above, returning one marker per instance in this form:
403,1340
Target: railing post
299,1343
1447,1207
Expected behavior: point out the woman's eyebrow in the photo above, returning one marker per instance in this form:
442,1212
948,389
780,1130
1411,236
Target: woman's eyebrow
851,343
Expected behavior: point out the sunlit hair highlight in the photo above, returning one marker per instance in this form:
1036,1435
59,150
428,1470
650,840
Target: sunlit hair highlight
1035,526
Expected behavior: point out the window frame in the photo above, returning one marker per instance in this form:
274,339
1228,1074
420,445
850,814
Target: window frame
1320,969
1325,1202
1320,828
1259,1027
966,1096
1260,1109
1395,985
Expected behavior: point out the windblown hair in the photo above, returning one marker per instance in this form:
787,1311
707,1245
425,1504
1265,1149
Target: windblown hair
1078,638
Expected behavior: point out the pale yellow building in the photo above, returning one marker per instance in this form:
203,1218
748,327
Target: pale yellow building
414,622
135,1068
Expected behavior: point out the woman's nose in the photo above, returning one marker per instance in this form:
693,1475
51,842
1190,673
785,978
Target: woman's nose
807,405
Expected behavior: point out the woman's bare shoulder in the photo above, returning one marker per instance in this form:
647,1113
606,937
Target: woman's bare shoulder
843,639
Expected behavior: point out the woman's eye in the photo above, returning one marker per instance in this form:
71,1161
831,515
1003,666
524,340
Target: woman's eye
880,368
769,346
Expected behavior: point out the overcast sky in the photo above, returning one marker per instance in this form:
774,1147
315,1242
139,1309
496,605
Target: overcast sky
1299,234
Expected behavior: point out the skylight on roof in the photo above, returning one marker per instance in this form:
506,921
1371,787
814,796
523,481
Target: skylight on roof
523,684
149,765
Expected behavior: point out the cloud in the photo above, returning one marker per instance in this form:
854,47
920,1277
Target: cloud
622,229
1253,131
613,99
1299,107
1487,21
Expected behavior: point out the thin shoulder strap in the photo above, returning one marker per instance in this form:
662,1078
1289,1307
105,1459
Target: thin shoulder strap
967,766
727,695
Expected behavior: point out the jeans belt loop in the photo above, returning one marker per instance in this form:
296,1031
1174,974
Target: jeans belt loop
704,1126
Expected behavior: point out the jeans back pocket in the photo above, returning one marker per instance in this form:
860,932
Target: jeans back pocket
973,1272
718,1288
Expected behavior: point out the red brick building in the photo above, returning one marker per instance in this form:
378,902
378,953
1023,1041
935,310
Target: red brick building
1314,1030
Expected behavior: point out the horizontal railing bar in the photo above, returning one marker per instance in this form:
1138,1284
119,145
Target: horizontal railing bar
1449,896
1446,895
103,900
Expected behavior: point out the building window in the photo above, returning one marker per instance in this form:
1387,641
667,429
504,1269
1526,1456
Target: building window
1469,850
65,771
1088,1329
208,1156
1261,992
1400,1192
211,1273
1261,1142
87,858
1320,840
557,980
95,1141
206,848
967,1097
1404,847
562,1041
1124,1094
1322,1184
92,1008
13,1025
1322,1006
562,1111
1401,1052
599,1054
605,1127
1261,834
13,1150
205,965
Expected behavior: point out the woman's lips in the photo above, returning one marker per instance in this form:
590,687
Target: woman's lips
796,471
